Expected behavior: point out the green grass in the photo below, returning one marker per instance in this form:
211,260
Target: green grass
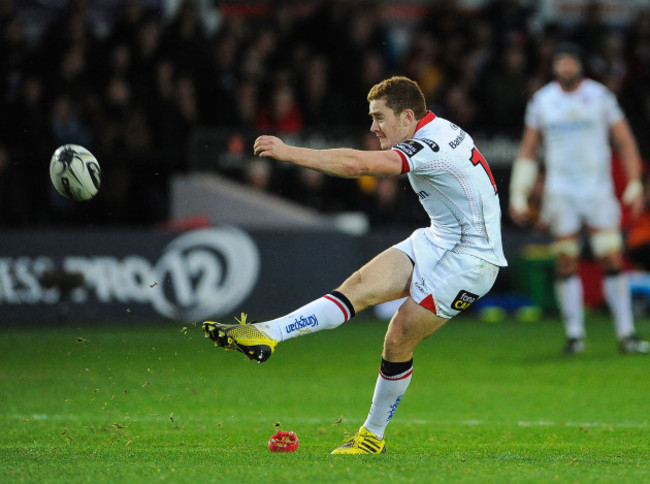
488,403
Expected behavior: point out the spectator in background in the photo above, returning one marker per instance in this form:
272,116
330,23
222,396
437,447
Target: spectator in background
206,11
258,174
281,114
217,86
319,103
186,103
14,54
385,206
127,25
67,124
70,76
184,41
458,102
246,105
15,193
27,135
145,53
311,189
423,63
608,64
24,123
257,56
504,93
169,127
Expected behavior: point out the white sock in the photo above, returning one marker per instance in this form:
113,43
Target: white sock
617,294
569,295
389,391
327,312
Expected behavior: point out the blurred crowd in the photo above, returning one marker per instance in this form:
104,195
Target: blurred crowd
135,91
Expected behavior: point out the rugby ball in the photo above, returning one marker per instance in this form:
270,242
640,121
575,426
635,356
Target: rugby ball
75,172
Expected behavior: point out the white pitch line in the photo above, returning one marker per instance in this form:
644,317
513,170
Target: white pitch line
323,421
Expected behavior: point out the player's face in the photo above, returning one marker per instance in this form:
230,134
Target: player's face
567,70
389,128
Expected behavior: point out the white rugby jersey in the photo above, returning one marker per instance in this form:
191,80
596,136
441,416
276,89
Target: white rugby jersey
455,187
575,132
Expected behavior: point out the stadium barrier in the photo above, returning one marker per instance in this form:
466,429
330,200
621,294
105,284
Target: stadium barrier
209,272
147,274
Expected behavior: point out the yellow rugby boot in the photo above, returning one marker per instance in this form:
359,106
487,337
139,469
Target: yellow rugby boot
243,337
363,442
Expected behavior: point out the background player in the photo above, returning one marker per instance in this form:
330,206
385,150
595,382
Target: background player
576,118
442,269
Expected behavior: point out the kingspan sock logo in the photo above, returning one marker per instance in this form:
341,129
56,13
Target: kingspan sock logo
301,323
393,408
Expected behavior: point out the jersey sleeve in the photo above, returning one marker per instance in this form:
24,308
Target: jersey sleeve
416,154
612,110
531,118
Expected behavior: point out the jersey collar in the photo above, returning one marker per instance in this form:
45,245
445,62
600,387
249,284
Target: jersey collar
425,120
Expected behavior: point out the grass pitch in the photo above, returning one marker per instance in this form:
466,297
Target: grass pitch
488,403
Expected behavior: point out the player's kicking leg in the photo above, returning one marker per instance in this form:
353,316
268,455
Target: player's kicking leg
383,278
258,340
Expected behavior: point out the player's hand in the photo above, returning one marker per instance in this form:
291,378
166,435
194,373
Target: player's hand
270,147
634,198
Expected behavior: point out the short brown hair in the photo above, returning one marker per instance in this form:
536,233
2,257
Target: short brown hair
400,93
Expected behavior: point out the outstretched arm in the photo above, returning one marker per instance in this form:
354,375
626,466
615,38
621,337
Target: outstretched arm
341,162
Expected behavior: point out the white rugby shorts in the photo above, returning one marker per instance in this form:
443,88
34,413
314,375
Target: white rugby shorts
566,213
445,282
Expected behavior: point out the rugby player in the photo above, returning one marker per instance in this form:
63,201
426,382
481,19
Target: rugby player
441,269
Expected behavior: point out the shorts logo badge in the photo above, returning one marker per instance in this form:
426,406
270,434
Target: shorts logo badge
463,300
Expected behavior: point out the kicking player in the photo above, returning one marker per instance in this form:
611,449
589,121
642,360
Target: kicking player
443,268
575,118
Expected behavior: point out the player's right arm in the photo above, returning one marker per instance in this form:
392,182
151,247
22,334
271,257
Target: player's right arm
524,175
341,162
624,143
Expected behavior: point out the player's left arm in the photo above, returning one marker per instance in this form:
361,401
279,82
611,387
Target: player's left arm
625,145
341,162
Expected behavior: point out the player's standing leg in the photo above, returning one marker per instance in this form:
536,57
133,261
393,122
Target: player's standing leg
409,326
617,293
569,293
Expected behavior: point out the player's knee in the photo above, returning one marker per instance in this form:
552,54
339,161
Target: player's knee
606,244
566,253
566,248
